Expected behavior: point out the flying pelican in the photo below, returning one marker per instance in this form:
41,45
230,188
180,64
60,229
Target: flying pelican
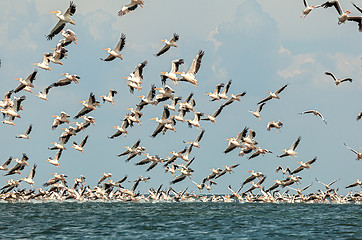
104,177
359,116
130,7
303,165
188,104
172,73
338,80
223,94
290,151
30,178
67,80
5,164
165,93
197,140
69,36
81,145
55,161
255,185
357,183
26,134
299,191
357,19
195,66
136,182
58,55
147,100
59,145
284,171
113,54
327,186
180,117
259,151
273,95
173,104
257,112
227,169
273,124
43,95
307,9
215,95
359,154
89,105
212,118
121,129
196,121
136,77
168,44
63,118
13,111
133,151
236,142
162,121
342,15
27,82
316,113
110,96
45,63
63,19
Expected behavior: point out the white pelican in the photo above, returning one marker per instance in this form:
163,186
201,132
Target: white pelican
13,111
55,161
69,36
255,185
133,119
63,118
234,97
342,15
273,95
104,177
227,169
63,19
259,151
257,112
45,63
162,121
165,93
300,191
147,100
7,102
337,81
290,151
212,117
215,95
121,129
180,117
197,140
316,113
199,186
327,186
67,80
173,104
357,19
110,96
273,124
81,145
30,178
113,54
188,104
175,155
10,121
223,94
130,7
172,74
168,44
171,169
59,145
195,66
307,9
26,134
284,171
58,55
89,105
133,151
82,126
359,154
43,95
304,165
196,121
186,155
5,164
68,132
27,82
236,142
359,116
357,183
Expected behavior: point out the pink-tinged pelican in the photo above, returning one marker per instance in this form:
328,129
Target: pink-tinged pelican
63,19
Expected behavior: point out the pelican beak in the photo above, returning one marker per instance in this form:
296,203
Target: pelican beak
63,74
53,11
18,79
106,49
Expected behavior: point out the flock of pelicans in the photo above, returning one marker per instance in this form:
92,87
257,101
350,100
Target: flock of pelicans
251,189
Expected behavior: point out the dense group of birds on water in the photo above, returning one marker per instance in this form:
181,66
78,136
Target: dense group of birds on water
251,189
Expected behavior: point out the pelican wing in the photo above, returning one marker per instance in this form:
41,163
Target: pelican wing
226,88
71,10
176,64
359,116
32,172
127,8
333,3
32,76
352,185
29,129
351,149
139,69
109,58
200,136
297,170
84,141
332,75
178,179
57,28
196,63
281,89
305,3
163,50
295,144
346,79
157,130
83,112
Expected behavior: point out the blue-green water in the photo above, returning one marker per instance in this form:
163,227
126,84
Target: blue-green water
112,220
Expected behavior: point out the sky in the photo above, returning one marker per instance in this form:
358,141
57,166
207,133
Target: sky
260,45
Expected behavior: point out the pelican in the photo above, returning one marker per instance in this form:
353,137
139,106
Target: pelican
303,165
234,97
180,117
130,7
5,164
82,126
43,95
290,151
342,15
185,155
26,134
55,161
236,142
27,82
162,121
110,96
172,74
137,75
171,169
255,185
212,118
307,9
69,36
45,63
58,55
275,185
227,169
173,104
196,121
13,111
68,132
81,145
273,124
63,19
20,165
299,191
147,100
7,102
188,104
165,93
30,178
113,54
175,155
273,95
104,177
89,105
10,121
337,81
133,151
357,19
59,145
257,112
197,140
121,129
359,116
63,118
259,151
316,113
284,171
168,44
215,95
195,66
327,186
67,80
357,183
199,186
359,154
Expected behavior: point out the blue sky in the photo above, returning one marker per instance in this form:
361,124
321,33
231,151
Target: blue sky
260,45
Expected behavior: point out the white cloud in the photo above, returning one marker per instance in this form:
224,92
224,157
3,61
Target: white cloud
212,38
